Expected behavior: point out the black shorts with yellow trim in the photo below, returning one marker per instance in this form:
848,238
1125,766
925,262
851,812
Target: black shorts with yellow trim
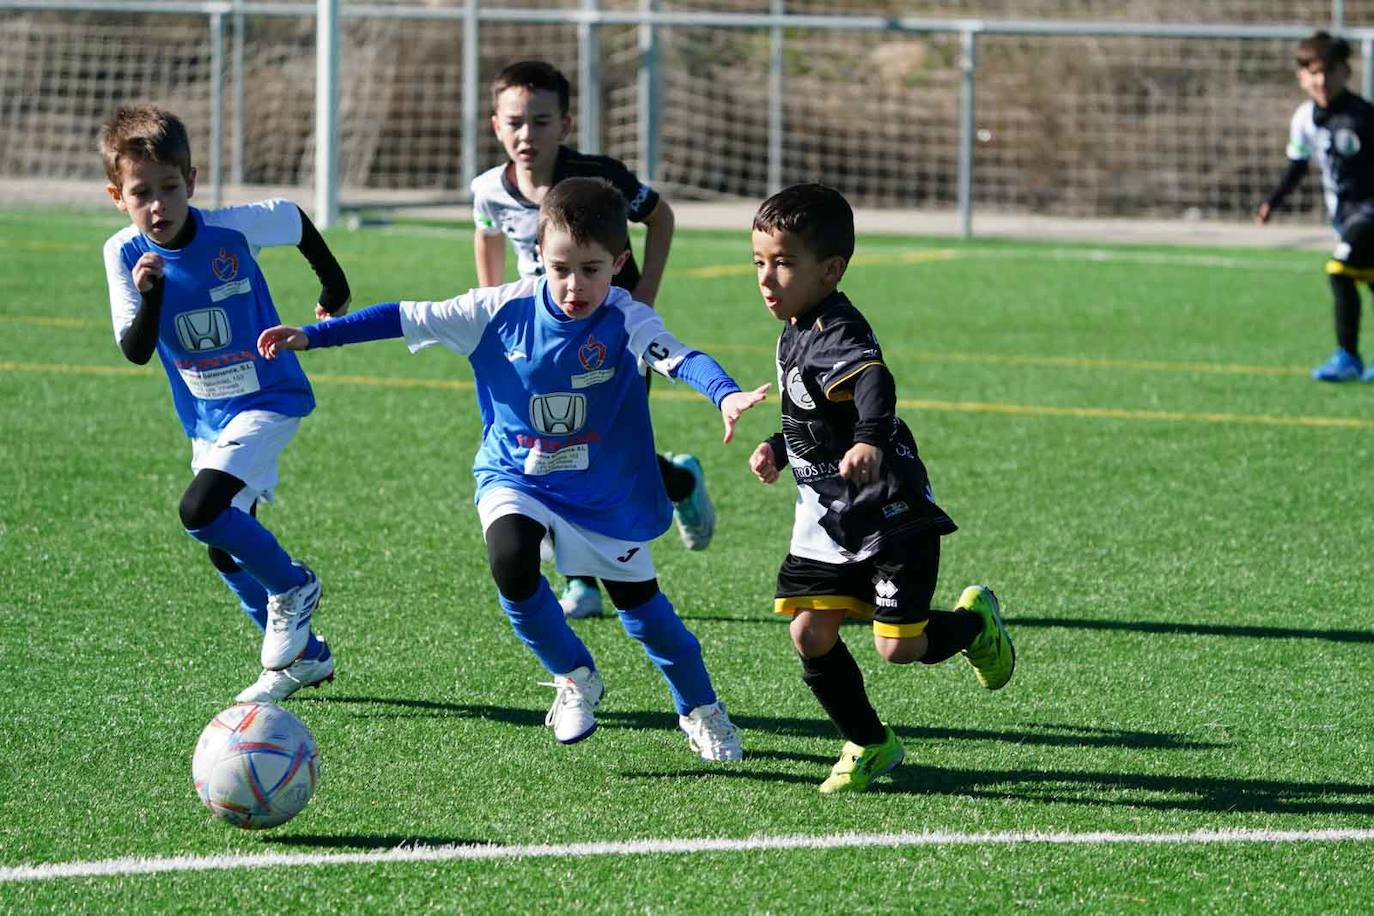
1354,254
893,588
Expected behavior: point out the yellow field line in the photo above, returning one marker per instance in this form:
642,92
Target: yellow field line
1087,255
1072,362
994,407
925,356
899,257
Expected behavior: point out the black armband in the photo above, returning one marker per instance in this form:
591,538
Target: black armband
1297,168
139,340
334,291
778,443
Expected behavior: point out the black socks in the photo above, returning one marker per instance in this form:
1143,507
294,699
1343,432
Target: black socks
948,632
838,684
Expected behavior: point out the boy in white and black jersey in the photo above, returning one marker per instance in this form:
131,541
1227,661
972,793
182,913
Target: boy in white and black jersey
1335,127
530,115
866,534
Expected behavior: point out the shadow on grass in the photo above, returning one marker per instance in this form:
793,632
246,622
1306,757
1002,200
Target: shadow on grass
1037,734
1139,790
1164,628
370,840
1192,629
1066,787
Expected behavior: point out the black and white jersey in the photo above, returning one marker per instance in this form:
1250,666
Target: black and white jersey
498,206
819,359
1341,140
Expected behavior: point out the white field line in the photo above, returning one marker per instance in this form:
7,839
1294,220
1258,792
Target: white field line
468,853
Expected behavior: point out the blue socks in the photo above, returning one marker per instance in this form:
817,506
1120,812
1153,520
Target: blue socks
673,650
539,622
253,600
253,547
252,596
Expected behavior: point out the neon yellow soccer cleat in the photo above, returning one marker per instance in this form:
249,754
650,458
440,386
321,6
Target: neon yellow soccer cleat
858,766
992,654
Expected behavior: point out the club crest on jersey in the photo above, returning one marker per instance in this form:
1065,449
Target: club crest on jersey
225,265
592,356
1346,142
796,390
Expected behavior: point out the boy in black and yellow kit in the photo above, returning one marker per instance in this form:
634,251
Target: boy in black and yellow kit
866,537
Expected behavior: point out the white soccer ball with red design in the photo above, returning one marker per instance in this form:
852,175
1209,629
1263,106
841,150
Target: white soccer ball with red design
255,766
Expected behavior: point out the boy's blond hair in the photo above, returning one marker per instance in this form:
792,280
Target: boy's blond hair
144,133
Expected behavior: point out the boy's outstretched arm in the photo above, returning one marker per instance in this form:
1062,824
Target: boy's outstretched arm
705,375
334,292
376,322
737,403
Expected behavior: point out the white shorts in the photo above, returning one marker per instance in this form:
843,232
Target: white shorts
577,551
248,449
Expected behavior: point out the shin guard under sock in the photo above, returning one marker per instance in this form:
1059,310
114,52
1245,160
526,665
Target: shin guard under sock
838,684
253,547
539,622
673,650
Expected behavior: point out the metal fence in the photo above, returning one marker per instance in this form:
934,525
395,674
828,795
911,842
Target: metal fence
1058,115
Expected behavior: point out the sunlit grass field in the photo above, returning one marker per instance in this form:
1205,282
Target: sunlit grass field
1178,521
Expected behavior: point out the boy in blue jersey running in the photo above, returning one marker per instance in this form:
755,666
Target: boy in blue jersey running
185,283
568,447
530,114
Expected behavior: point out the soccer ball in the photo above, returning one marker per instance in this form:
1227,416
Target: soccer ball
255,765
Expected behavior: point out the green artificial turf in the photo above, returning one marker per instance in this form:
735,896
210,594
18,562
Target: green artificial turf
1176,518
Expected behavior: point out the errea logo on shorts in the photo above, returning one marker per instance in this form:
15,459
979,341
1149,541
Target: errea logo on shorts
885,593
203,330
558,414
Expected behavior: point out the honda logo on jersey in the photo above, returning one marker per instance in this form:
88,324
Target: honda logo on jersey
203,330
558,414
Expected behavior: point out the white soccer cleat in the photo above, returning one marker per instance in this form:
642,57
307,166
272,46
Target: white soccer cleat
570,716
272,686
288,623
711,733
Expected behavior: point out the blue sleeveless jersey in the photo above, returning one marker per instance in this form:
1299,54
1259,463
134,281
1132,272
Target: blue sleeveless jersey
565,412
215,304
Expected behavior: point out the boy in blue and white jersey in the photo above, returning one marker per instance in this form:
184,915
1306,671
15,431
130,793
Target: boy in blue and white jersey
567,446
1336,127
530,116
185,283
